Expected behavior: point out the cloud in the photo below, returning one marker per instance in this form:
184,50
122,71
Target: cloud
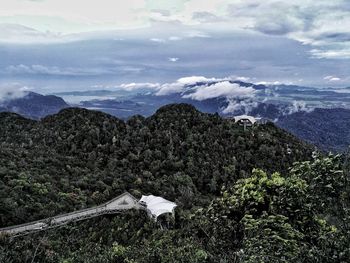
10,33
195,79
74,16
240,105
202,88
280,26
241,78
57,71
158,40
324,25
174,38
268,83
221,89
136,86
330,54
332,78
197,34
297,106
206,17
12,91
196,88
173,59
182,83
170,88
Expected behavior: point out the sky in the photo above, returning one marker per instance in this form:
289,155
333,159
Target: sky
63,45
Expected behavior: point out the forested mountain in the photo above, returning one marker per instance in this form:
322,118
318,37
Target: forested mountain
328,129
228,210
323,127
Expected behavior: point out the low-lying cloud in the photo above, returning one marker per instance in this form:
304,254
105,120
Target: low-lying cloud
201,88
137,86
185,84
245,105
12,91
221,89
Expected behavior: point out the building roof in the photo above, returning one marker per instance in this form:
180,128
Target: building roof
245,117
157,205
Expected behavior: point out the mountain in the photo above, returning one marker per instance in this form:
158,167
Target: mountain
328,129
294,116
211,95
97,152
210,166
34,105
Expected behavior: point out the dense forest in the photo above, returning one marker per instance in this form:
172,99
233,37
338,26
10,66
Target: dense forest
325,128
259,195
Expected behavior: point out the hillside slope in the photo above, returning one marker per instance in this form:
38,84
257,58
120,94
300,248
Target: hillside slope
328,129
34,105
79,158
226,209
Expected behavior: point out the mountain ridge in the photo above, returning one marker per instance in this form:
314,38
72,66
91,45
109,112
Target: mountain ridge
34,105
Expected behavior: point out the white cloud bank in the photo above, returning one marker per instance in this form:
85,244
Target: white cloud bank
137,86
196,88
182,84
200,88
12,91
239,98
221,89
332,78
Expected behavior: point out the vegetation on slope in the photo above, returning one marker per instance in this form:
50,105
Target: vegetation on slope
228,210
328,129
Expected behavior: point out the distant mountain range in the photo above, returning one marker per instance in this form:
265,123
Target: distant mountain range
34,105
328,129
324,124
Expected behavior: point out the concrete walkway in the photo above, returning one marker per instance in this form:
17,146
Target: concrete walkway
117,205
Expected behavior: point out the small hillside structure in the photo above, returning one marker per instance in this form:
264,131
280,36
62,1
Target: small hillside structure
248,121
156,205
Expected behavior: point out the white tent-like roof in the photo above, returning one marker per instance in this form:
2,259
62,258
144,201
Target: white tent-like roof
245,117
157,205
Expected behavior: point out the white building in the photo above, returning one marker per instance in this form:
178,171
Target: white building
157,205
248,121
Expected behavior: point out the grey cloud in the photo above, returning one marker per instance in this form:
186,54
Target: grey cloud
339,36
275,27
322,24
71,71
107,62
206,17
53,70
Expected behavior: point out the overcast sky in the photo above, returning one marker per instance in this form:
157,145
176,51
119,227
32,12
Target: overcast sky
56,45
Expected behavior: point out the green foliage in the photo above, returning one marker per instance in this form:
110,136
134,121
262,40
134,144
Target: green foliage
270,218
228,211
79,158
270,238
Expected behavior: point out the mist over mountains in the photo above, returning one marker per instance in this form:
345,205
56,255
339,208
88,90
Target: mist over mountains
299,110
33,105
223,95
